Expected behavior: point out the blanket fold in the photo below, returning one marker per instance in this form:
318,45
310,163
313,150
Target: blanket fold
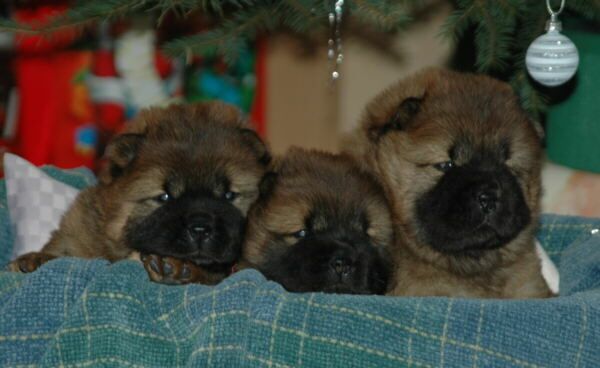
79,313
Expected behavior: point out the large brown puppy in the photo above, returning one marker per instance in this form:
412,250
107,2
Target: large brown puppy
178,184
321,224
461,164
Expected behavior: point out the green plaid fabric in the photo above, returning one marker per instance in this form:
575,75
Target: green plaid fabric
78,313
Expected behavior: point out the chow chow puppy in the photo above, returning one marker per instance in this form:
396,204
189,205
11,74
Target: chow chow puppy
320,224
460,162
176,188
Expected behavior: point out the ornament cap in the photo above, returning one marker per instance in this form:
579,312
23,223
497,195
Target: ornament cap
553,24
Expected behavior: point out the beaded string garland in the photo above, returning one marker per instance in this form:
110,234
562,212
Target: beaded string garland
334,43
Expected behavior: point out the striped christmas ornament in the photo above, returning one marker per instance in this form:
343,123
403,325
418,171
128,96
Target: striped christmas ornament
552,58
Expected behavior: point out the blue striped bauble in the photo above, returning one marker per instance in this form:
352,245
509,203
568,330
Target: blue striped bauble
552,59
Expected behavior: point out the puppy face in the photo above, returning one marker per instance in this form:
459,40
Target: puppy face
321,225
460,160
184,179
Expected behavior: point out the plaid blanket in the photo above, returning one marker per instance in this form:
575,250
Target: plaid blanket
78,313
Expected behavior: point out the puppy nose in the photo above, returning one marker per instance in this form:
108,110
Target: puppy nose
341,266
200,227
488,200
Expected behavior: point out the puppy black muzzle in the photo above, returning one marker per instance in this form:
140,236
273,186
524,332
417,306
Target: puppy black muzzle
203,230
472,209
330,265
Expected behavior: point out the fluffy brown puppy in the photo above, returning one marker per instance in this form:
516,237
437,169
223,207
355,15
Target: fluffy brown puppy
177,186
460,161
320,224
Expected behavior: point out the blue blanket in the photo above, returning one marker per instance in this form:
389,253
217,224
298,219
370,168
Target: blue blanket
78,313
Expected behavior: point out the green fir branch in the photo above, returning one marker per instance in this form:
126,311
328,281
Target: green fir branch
503,29
86,12
227,38
9,25
511,7
493,38
534,102
530,26
457,23
589,9
385,15
302,16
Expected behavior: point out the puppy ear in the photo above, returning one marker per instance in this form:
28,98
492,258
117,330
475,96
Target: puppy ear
266,184
401,118
252,139
119,154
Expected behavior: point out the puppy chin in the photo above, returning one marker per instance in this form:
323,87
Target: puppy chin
229,257
293,285
480,240
311,267
351,289
486,234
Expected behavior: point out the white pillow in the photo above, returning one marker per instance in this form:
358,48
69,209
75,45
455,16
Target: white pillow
36,203
549,270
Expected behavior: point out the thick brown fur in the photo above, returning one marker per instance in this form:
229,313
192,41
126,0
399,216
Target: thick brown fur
335,202
420,122
181,147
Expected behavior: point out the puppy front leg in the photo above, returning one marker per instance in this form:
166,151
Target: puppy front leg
174,271
29,262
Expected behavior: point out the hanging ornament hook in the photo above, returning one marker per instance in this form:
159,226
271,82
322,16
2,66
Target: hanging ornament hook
334,43
553,24
551,11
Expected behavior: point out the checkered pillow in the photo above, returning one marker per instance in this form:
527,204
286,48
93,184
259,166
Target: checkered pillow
36,203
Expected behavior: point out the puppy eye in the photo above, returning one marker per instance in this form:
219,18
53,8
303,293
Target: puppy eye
444,166
230,196
164,197
301,234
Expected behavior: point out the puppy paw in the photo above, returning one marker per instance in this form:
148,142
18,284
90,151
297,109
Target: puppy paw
29,262
172,271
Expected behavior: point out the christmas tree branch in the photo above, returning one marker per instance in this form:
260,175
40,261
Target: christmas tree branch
9,25
589,9
86,11
510,7
227,39
457,23
531,100
90,12
530,25
503,28
302,16
387,15
489,40
302,9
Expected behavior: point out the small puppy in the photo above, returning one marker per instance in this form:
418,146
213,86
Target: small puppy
177,188
320,224
460,162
